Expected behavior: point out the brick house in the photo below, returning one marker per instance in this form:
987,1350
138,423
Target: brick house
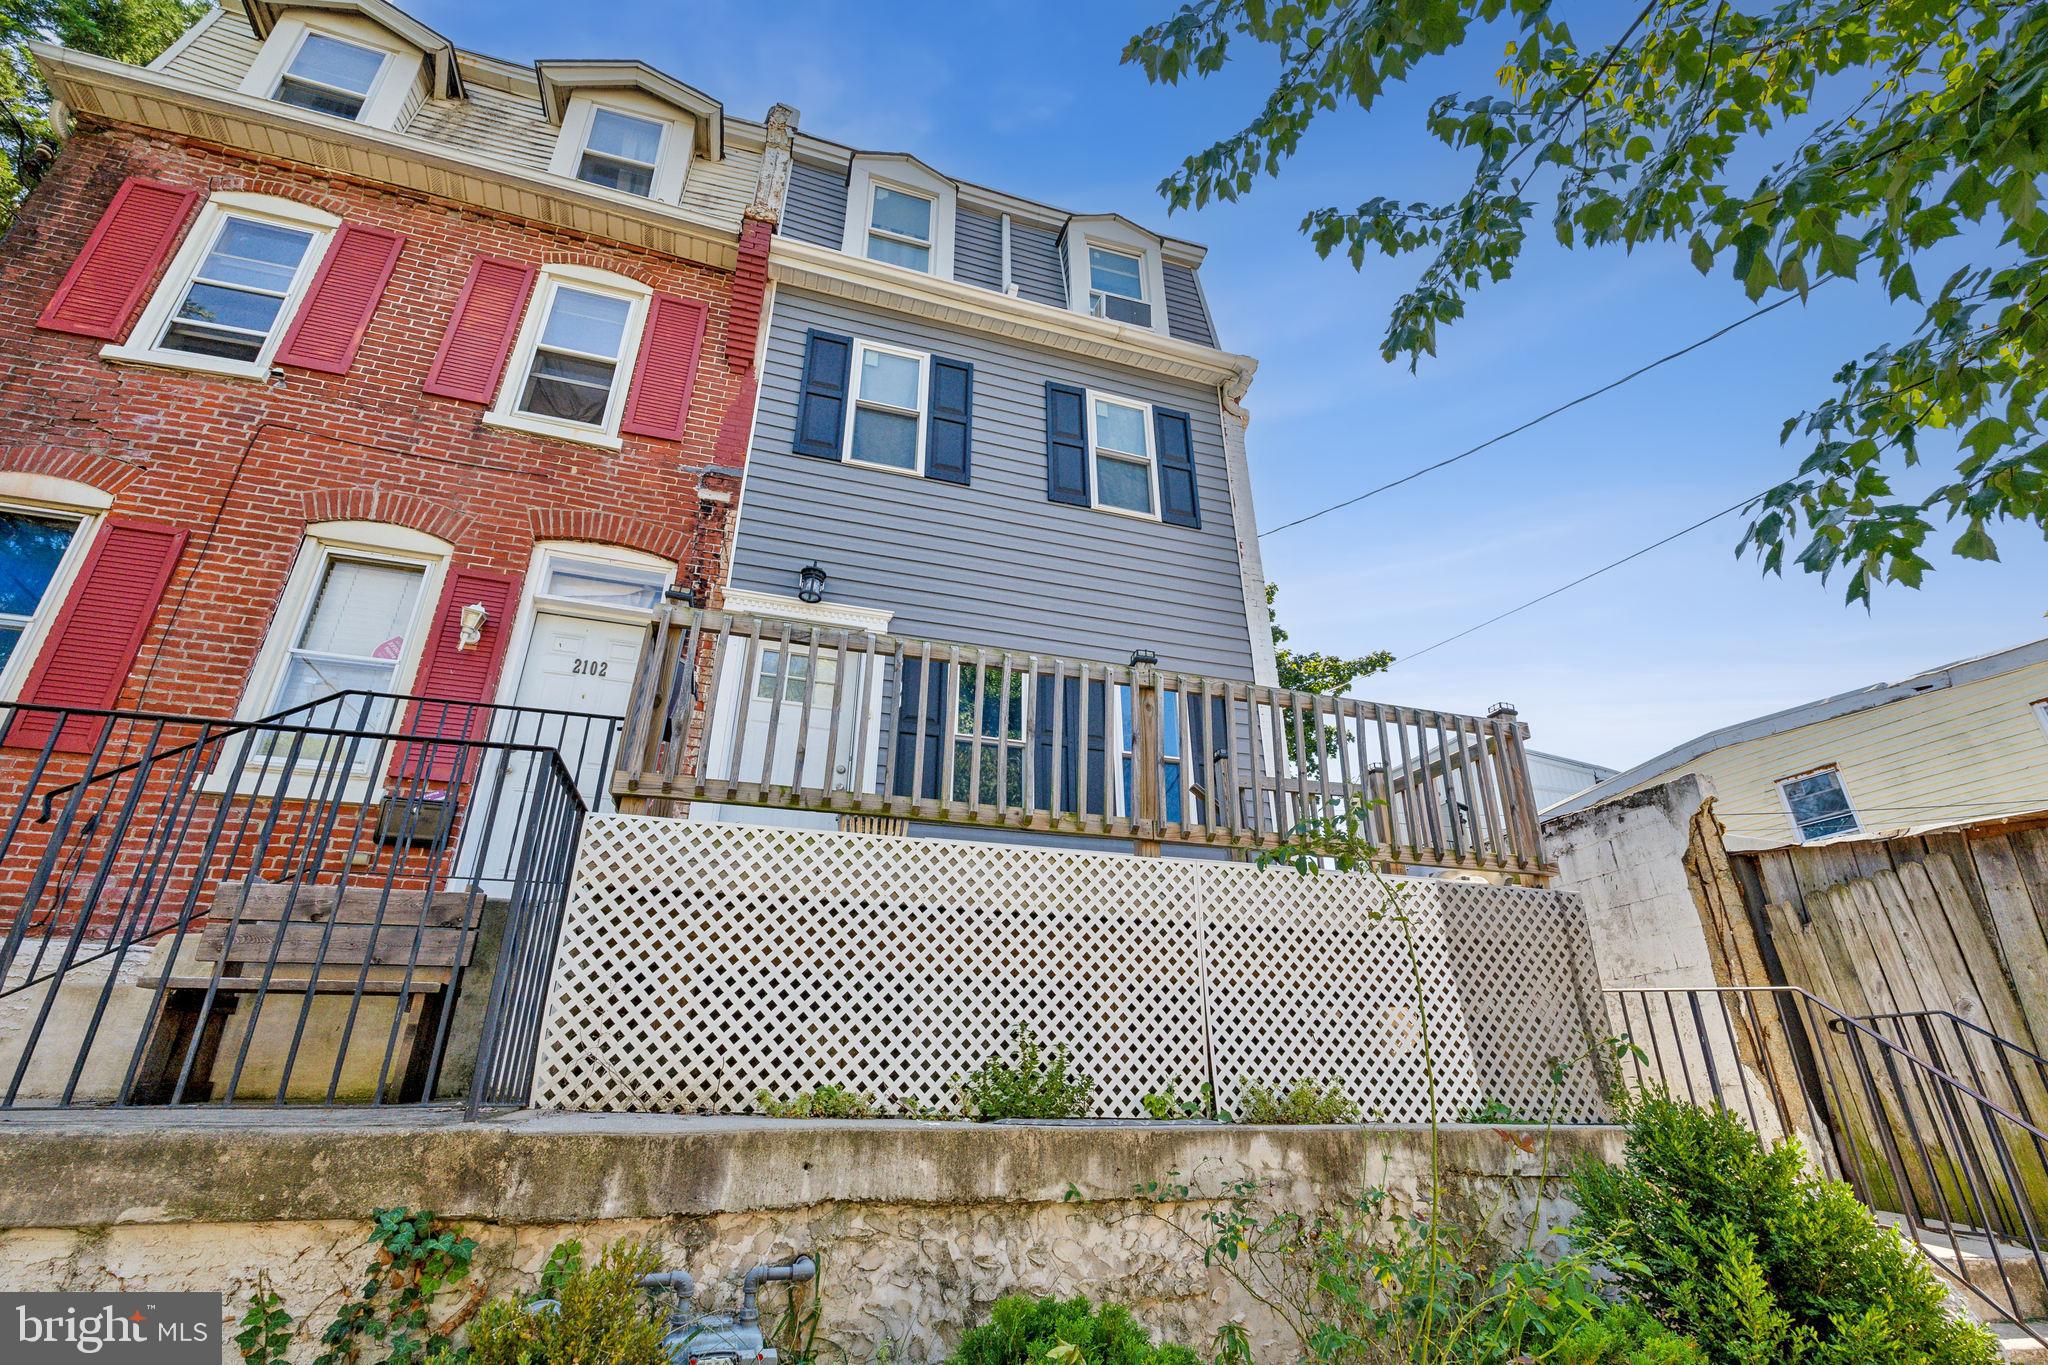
320,331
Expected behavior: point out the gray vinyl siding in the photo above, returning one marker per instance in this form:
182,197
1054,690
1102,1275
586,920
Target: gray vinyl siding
1035,264
978,249
815,210
1186,317
994,563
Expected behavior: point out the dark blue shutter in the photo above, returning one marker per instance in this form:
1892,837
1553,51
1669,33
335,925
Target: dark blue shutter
1179,503
949,429
821,408
903,767
1066,444
1099,699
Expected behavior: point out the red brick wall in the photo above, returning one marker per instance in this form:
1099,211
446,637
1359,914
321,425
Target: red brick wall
245,465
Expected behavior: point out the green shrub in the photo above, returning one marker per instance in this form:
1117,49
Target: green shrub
603,1317
827,1101
1036,1086
1023,1330
1302,1102
1491,1111
1737,1244
1170,1104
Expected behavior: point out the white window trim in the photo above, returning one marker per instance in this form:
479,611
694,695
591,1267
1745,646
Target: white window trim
388,93
42,493
324,541
1094,461
672,160
532,601
141,347
505,412
853,402
1145,295
1785,800
908,177
2041,714
1113,235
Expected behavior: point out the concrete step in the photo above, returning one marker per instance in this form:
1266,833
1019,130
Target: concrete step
2017,1345
2005,1273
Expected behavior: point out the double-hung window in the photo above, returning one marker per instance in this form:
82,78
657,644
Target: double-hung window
989,736
36,548
1818,804
232,307
330,76
353,632
1116,287
573,372
621,152
1120,440
888,416
900,228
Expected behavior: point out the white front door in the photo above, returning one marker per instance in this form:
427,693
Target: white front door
570,664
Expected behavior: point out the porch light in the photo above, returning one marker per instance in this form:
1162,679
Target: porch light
810,583
1144,656
473,617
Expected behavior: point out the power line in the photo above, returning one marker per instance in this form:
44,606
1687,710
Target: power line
1587,577
1537,420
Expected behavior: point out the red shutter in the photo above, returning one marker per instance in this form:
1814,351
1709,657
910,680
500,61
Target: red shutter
94,642
479,335
346,292
120,259
449,673
659,402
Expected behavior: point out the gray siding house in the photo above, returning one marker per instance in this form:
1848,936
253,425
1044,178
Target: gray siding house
995,422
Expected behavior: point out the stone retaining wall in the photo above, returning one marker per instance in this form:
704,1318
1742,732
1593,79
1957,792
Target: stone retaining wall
918,1227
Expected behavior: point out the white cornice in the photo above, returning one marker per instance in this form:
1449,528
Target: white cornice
154,99
824,270
745,602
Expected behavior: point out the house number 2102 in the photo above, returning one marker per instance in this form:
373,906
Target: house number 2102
596,668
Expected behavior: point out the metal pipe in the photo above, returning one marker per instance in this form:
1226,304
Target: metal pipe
801,1269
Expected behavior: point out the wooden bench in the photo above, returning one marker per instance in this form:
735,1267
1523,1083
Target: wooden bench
313,943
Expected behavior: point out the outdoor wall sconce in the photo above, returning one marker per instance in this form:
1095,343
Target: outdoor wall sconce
473,617
1147,657
810,583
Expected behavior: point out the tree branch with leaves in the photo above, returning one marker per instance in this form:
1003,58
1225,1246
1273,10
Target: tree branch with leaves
1899,127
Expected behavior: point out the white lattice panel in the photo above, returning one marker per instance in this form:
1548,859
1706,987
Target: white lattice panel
1310,978
704,962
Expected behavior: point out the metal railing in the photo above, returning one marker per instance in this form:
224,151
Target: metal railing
356,900
758,711
1928,1117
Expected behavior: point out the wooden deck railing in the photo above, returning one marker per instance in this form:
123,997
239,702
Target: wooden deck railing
760,711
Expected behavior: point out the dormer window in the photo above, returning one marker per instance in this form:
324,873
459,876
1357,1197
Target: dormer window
1116,286
900,212
330,76
1115,271
900,228
622,152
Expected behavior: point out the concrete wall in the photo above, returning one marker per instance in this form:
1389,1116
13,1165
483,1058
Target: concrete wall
1626,859
918,1227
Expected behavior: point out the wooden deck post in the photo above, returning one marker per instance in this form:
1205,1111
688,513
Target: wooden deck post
1147,755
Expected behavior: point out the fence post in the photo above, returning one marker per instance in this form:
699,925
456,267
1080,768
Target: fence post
1148,754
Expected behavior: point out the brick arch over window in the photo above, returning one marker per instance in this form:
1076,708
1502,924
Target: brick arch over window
609,528
622,264
381,504
103,472
285,189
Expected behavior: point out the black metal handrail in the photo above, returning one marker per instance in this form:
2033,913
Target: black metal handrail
229,728
356,873
1962,1163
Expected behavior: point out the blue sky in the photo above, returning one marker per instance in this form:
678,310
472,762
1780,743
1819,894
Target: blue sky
1031,98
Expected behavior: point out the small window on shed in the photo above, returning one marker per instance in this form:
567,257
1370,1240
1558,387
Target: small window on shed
1819,805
